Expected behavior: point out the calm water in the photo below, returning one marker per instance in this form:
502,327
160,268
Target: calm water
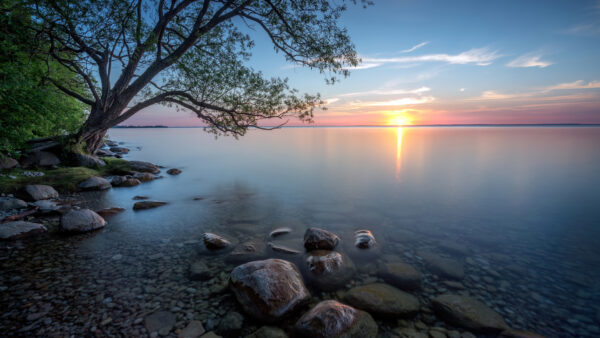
518,206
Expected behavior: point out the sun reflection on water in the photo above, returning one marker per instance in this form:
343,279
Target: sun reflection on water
399,132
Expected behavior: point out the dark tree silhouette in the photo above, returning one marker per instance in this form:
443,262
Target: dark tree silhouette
132,54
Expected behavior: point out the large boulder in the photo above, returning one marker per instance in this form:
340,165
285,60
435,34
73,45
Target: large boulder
89,161
316,238
40,159
20,229
268,289
331,318
400,275
443,267
94,183
8,203
328,270
382,299
82,220
468,313
39,192
145,167
8,163
148,204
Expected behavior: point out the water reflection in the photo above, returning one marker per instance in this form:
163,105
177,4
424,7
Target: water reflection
399,132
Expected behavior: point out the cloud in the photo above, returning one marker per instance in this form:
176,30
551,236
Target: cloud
365,66
415,47
402,101
478,56
332,100
580,84
529,60
389,92
462,89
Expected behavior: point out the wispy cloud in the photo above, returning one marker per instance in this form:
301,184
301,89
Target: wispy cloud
365,66
415,47
402,101
542,94
478,56
529,60
590,29
580,84
389,92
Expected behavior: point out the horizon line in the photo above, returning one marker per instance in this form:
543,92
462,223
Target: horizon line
386,126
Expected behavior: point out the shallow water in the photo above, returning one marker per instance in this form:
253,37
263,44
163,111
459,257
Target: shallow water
518,206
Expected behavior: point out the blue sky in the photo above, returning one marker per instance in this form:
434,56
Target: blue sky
444,62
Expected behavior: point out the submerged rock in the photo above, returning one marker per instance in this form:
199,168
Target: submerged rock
214,242
109,211
364,239
329,270
231,324
40,159
200,271
143,167
283,249
40,192
139,198
193,330
400,275
82,220
161,322
468,312
94,183
382,299
407,332
268,289
316,238
129,182
331,318
174,171
279,231
251,250
148,205
443,267
20,229
519,334
8,203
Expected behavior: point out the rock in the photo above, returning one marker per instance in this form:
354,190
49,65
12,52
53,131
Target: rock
8,163
454,248
443,267
316,238
119,150
268,332
146,167
81,221
200,271
279,231
94,183
231,324
47,207
210,335
40,192
268,289
400,275
519,334
83,160
161,322
331,318
409,333
139,198
454,285
109,211
174,171
251,250
20,229
282,249
9,203
105,153
468,313
214,242
40,159
328,270
193,330
436,334
382,299
143,177
364,239
143,205
129,182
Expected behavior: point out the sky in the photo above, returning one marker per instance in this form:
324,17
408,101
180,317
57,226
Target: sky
451,62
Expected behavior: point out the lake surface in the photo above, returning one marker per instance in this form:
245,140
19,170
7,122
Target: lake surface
519,207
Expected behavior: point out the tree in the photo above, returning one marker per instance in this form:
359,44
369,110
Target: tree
132,54
29,107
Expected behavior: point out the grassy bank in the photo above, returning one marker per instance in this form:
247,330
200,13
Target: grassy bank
63,179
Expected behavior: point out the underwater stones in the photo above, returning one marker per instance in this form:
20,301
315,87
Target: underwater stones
141,166
161,322
109,211
268,332
279,231
400,275
251,250
94,183
8,203
82,220
214,242
364,239
268,289
331,318
443,267
519,334
454,248
316,238
231,324
468,313
328,270
174,171
193,330
40,192
282,249
143,205
140,198
382,299
20,229
200,271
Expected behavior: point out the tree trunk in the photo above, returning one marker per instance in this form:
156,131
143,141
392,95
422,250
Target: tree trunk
93,141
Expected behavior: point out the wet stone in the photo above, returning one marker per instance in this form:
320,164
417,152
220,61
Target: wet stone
40,192
20,229
193,330
407,332
161,322
8,203
279,231
400,275
82,220
328,270
200,271
268,332
231,324
143,167
331,318
214,242
364,239
316,238
443,267
109,211
143,205
382,299
468,312
174,171
251,250
519,334
140,198
283,249
94,183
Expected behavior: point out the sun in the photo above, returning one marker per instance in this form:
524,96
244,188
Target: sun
399,120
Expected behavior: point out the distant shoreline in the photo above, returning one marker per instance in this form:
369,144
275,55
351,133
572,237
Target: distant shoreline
388,126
